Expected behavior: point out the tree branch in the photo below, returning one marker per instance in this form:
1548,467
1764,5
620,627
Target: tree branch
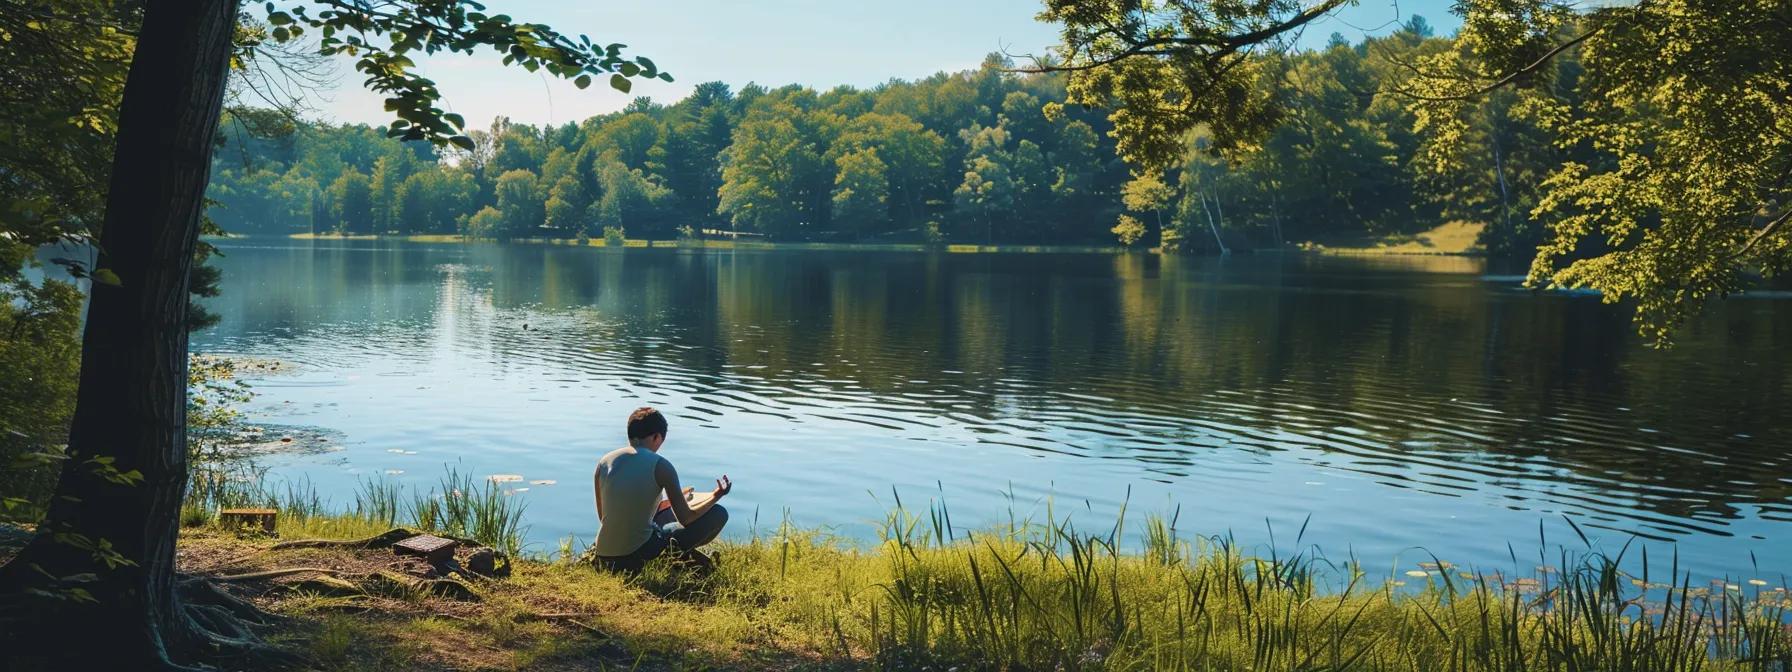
1214,44
1764,233
1510,77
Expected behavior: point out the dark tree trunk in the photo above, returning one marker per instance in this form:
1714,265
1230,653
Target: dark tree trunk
131,406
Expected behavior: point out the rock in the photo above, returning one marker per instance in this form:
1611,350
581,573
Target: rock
485,562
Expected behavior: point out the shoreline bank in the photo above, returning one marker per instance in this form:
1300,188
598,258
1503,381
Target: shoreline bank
796,600
952,248
1025,595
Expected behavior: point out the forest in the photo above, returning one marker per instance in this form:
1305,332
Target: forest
1639,153
992,155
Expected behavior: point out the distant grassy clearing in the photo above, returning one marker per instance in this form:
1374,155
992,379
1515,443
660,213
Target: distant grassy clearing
1456,237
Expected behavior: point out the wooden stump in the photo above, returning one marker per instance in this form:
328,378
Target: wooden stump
248,519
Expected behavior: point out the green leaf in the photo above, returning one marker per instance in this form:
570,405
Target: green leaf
457,120
462,142
620,83
582,81
105,276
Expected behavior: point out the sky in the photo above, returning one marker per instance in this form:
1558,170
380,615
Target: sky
818,43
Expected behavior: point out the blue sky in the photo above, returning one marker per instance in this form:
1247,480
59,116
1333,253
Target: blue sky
819,43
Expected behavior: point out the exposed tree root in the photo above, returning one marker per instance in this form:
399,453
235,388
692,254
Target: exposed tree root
343,583
394,583
275,573
381,540
224,627
202,591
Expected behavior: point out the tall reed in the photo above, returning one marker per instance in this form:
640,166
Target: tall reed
377,501
460,506
1045,595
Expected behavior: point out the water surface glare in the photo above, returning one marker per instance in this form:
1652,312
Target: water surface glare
1410,405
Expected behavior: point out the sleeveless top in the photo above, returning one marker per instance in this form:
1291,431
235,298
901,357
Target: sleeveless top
630,497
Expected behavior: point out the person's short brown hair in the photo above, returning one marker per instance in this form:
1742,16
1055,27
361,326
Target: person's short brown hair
645,422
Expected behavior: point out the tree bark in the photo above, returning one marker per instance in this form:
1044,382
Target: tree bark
1276,212
1213,227
130,410
1499,174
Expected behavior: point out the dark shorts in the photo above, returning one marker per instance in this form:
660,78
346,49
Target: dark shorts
670,537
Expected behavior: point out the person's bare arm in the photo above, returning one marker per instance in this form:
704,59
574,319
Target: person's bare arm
597,492
683,510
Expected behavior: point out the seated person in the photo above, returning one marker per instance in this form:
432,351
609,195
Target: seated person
628,484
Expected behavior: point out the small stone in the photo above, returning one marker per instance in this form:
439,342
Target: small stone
483,562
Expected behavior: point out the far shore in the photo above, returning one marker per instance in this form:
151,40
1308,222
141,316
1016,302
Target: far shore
718,244
1452,239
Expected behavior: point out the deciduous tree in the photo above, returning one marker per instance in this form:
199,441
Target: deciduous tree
102,562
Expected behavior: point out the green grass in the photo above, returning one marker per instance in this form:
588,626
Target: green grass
459,505
1044,595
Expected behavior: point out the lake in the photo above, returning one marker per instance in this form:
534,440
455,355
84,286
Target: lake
1410,405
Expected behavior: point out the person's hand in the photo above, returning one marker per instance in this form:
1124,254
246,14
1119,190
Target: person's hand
723,485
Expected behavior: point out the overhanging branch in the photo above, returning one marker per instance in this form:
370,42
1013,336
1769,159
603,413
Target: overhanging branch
1215,45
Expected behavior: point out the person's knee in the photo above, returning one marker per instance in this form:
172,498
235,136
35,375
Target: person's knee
720,514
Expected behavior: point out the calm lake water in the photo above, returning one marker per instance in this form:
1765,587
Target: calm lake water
1410,406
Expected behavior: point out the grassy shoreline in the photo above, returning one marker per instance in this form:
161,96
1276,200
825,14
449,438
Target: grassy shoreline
1025,596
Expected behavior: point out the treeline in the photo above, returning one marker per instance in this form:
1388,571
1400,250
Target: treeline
987,155
968,156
